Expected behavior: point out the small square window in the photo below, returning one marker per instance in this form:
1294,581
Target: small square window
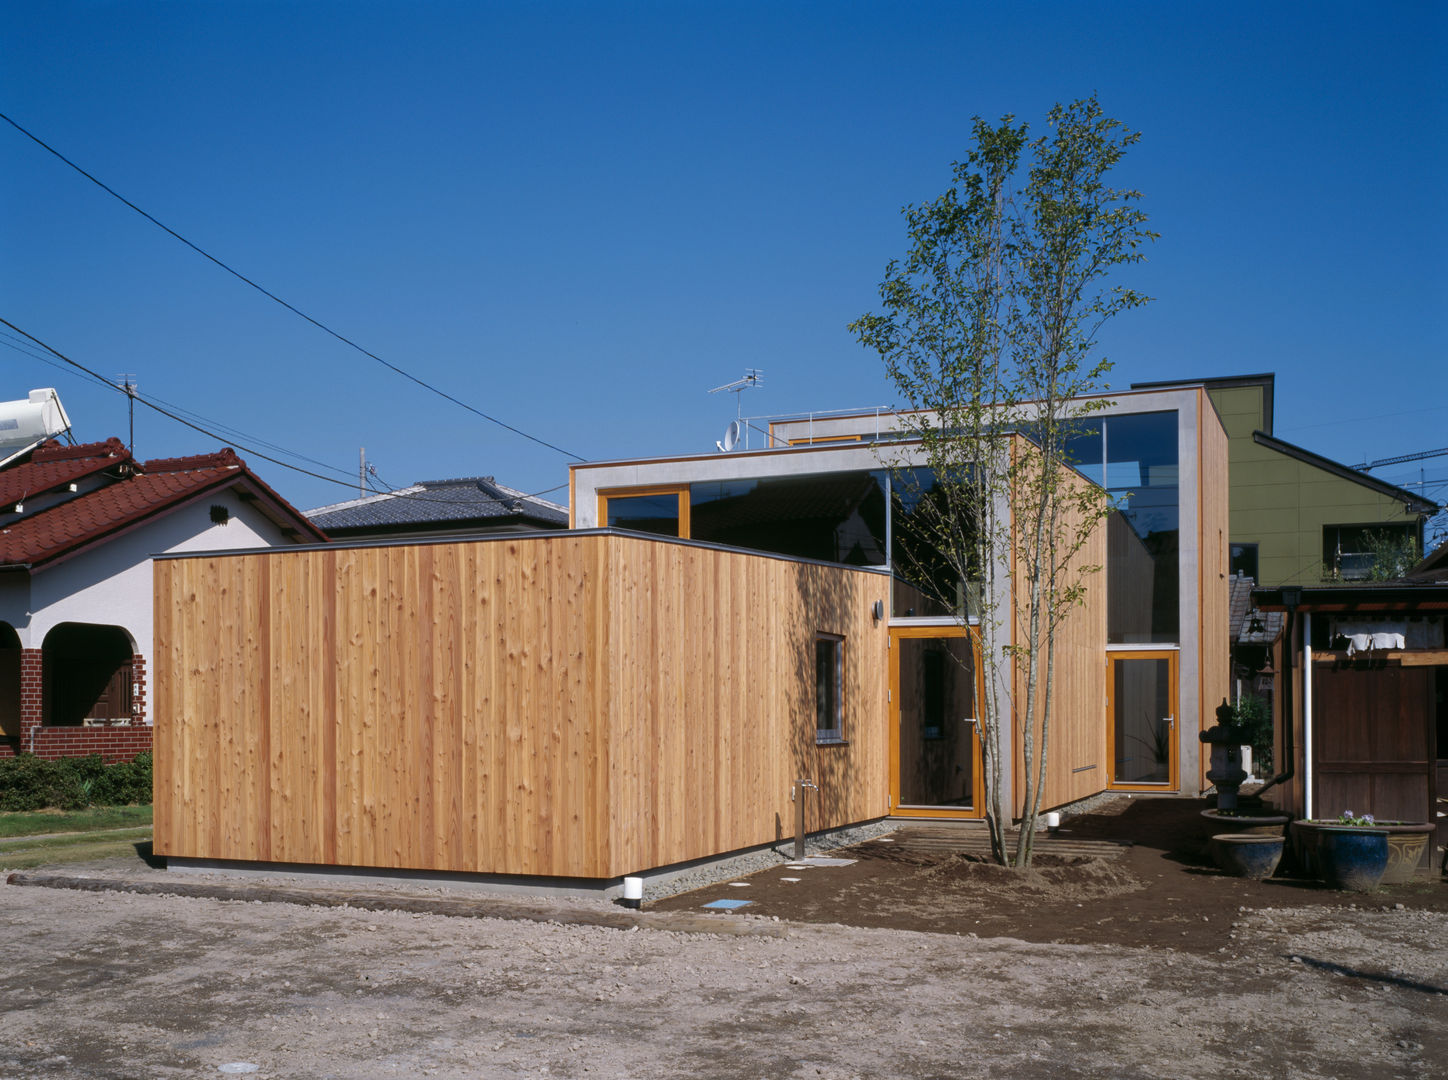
1244,560
829,688
220,515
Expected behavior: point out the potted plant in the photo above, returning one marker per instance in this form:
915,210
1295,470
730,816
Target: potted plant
1352,852
1407,843
1247,854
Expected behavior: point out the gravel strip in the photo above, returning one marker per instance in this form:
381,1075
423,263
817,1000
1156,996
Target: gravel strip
699,877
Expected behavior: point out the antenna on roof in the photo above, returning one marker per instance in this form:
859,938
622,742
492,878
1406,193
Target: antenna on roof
753,378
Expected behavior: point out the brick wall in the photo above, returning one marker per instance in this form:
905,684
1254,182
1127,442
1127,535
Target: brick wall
112,743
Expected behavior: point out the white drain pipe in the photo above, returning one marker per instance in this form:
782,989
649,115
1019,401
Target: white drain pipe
1307,715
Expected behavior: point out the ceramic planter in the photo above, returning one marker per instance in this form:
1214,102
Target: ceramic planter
1262,822
1247,855
1407,842
1304,845
1352,858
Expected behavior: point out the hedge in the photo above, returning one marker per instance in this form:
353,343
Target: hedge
31,783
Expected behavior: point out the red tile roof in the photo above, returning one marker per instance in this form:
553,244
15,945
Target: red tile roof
146,490
53,466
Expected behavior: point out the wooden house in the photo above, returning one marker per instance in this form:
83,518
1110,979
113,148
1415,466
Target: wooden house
1147,658
578,704
644,689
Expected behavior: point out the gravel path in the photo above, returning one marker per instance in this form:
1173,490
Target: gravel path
116,985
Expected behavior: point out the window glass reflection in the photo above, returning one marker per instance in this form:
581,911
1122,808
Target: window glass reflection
645,513
926,582
836,517
1135,458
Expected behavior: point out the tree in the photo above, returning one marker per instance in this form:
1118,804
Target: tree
989,326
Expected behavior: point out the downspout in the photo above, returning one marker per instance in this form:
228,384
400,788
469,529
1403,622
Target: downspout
1290,598
1307,716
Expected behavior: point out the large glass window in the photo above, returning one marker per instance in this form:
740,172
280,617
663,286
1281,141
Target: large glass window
655,512
926,582
835,517
1135,458
1368,552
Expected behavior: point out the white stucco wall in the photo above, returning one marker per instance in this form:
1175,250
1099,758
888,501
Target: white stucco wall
111,584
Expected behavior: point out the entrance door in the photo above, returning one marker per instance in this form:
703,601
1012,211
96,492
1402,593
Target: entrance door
934,741
1141,711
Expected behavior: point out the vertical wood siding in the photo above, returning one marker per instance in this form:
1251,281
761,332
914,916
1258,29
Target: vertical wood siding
1214,563
574,705
1077,761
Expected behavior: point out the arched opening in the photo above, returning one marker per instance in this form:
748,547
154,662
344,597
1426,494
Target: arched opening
9,684
87,675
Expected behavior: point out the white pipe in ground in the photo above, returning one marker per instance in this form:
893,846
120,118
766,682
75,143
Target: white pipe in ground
633,891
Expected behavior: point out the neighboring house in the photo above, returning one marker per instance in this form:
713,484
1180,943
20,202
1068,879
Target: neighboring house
470,506
1434,566
1298,518
1252,633
1365,686
78,527
633,693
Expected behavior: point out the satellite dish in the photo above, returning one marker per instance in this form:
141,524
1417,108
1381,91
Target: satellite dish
731,436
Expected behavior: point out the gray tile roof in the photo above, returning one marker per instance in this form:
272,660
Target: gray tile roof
1242,612
443,505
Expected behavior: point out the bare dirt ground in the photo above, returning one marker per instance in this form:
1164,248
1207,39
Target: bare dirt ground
1161,890
123,985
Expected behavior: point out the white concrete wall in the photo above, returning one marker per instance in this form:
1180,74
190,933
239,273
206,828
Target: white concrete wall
111,584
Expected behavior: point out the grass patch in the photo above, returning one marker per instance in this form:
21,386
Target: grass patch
82,847
36,822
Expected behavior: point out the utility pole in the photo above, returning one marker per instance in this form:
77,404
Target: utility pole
128,384
361,472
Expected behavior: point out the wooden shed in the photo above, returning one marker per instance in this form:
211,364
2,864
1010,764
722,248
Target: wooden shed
1364,704
580,705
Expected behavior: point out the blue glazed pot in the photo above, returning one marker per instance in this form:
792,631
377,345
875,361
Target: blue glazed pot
1352,858
1247,855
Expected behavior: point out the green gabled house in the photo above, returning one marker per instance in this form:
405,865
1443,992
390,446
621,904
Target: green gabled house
1296,517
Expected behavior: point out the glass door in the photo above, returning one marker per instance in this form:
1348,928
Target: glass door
1141,711
934,742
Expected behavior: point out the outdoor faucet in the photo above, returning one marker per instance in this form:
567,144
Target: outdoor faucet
796,796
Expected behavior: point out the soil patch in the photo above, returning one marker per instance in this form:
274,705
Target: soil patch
1160,890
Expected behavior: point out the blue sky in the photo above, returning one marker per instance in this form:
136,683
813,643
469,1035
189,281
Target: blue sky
580,217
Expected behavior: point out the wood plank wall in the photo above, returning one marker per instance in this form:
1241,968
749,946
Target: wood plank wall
1214,565
1077,759
570,705
712,699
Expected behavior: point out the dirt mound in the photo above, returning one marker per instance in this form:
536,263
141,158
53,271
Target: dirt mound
1060,878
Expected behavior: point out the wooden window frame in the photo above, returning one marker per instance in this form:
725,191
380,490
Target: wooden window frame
681,490
831,736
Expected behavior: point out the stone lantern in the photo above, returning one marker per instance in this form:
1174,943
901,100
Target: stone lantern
1225,738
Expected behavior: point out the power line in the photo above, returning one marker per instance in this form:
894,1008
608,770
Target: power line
180,419
294,310
167,413
223,432
425,496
